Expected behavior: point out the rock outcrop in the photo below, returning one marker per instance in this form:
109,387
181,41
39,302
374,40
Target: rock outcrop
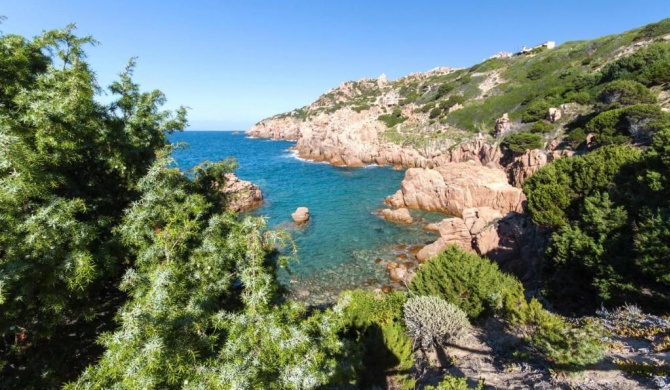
509,240
242,195
453,187
522,167
301,215
502,126
554,114
398,272
451,231
400,215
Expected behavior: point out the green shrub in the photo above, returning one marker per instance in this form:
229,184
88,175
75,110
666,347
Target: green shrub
576,137
466,79
365,308
427,107
474,284
634,123
452,101
374,323
621,93
561,343
453,383
552,190
520,142
444,89
581,97
542,127
363,107
535,111
654,30
652,245
435,112
393,118
632,67
433,321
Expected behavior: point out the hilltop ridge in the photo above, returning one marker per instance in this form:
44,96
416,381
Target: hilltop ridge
415,120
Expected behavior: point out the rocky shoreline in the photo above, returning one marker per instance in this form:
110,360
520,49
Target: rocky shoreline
475,183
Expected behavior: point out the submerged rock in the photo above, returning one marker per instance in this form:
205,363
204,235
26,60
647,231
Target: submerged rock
400,215
301,215
397,272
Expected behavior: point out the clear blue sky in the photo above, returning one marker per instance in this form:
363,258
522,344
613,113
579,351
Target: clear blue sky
237,62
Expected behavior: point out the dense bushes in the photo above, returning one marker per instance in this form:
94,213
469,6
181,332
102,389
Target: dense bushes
553,190
432,321
535,111
645,65
542,127
69,166
393,119
621,93
476,286
479,287
654,30
374,323
520,142
634,123
561,343
608,213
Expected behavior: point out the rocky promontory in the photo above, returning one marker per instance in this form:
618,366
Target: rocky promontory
453,187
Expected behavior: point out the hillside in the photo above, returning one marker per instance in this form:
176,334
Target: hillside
414,120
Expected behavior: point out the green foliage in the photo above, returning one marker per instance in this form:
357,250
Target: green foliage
520,142
654,30
576,137
454,383
561,343
542,127
640,65
444,89
365,308
69,166
581,97
537,70
634,123
621,93
374,323
390,120
473,284
609,214
361,108
652,245
554,191
452,101
435,112
185,323
583,251
536,111
432,321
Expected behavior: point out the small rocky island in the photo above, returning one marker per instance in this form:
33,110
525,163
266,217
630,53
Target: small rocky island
242,195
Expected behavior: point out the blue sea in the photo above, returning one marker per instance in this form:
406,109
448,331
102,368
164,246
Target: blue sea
345,245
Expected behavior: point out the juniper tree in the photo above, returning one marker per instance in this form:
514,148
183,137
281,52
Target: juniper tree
69,166
203,309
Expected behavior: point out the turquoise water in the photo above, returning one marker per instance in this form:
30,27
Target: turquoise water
345,245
